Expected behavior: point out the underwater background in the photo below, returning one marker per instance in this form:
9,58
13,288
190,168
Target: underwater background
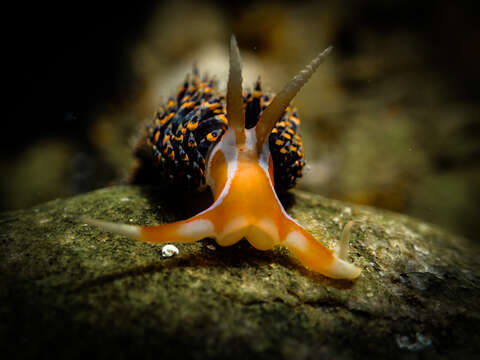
391,120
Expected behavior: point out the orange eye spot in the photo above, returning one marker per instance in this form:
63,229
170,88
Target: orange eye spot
279,142
213,136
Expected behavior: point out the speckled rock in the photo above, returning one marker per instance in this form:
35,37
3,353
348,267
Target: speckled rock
70,290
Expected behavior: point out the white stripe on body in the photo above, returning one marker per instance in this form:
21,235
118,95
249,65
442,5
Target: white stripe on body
227,146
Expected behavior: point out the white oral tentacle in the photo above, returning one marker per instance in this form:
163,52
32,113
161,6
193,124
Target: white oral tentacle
131,231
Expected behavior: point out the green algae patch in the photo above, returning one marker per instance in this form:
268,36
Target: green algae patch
68,289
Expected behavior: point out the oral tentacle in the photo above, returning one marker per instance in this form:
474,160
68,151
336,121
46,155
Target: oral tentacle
315,256
190,230
131,231
185,231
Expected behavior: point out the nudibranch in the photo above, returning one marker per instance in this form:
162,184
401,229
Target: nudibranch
245,147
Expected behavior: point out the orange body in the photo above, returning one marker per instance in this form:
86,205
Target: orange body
246,206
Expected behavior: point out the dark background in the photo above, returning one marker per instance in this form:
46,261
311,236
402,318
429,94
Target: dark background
72,93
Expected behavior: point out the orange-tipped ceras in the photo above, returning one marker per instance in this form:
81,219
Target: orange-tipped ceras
244,146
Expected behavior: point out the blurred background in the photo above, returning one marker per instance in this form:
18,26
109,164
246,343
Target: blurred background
391,120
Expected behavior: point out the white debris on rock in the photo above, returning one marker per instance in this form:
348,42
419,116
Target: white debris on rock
169,251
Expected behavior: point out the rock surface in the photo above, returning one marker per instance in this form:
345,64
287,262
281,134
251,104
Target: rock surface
70,290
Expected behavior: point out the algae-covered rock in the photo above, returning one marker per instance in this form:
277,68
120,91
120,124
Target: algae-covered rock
70,290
